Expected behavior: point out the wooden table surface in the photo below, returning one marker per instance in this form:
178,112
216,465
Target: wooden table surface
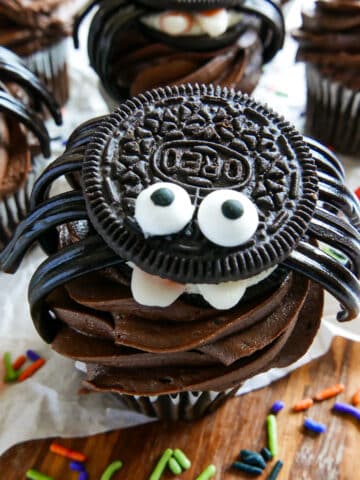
218,438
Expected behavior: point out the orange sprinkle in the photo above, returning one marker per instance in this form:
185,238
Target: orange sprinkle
19,362
329,392
210,13
67,452
31,369
355,400
303,405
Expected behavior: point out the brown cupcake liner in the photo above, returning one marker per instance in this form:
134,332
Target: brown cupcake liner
50,66
187,406
15,207
332,112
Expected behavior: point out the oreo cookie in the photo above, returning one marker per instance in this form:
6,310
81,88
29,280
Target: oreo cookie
203,140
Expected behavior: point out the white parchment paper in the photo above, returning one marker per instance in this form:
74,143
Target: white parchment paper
48,404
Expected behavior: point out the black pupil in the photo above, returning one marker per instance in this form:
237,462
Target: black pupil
163,197
232,209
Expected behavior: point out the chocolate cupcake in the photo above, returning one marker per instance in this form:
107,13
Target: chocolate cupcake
37,31
24,140
329,44
184,260
136,46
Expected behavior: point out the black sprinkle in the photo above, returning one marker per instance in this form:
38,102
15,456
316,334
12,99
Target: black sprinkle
266,454
275,471
244,467
252,458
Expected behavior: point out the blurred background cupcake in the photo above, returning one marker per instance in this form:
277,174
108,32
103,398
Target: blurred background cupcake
24,140
37,31
136,46
329,43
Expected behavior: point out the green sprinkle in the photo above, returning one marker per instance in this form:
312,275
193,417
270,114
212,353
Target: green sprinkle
272,434
174,466
208,473
281,94
11,375
111,469
11,379
161,465
34,475
182,459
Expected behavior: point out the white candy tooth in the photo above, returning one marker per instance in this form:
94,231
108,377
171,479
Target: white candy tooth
261,276
216,24
154,291
174,23
224,295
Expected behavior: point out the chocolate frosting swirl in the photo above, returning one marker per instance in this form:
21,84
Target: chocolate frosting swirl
30,26
15,156
134,349
330,38
145,64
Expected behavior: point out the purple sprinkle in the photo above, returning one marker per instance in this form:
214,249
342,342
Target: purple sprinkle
77,466
83,476
313,426
33,356
346,408
277,406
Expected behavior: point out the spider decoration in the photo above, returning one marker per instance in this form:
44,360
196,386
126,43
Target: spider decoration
18,86
187,25
13,71
264,198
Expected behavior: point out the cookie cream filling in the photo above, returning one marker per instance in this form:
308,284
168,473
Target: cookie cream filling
154,291
213,23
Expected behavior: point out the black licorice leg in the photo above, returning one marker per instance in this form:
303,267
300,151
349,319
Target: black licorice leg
337,195
327,156
338,224
337,238
117,23
327,167
62,166
27,117
86,256
330,274
84,129
80,16
82,137
40,226
17,72
273,20
106,10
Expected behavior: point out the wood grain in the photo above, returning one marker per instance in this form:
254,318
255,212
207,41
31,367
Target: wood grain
218,438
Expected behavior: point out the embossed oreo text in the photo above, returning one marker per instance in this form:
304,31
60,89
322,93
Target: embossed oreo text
201,164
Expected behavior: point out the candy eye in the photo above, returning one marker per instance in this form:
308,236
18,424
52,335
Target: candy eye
228,218
163,209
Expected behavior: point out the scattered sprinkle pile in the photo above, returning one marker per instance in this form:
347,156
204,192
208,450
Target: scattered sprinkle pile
13,372
248,462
